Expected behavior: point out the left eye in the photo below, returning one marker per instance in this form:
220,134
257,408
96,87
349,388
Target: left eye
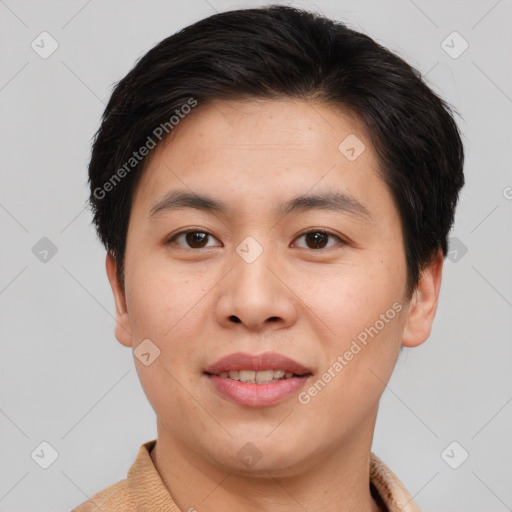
318,238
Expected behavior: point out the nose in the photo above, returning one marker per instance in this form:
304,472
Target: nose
255,294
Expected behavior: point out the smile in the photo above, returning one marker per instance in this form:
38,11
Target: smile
254,380
257,377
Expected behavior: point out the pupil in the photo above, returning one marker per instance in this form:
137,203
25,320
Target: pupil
195,238
317,238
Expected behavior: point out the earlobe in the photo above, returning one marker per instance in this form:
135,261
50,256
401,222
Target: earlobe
423,305
123,327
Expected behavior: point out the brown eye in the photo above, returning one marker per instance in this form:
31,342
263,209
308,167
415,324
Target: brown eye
193,239
318,239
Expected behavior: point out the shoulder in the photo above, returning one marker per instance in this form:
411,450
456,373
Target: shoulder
390,489
112,499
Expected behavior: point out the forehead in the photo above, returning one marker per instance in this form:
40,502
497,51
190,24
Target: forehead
255,149
266,125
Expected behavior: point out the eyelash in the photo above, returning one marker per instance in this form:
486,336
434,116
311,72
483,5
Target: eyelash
323,231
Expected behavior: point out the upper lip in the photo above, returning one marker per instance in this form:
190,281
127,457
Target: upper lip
266,361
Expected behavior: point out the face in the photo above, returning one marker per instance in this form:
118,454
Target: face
289,275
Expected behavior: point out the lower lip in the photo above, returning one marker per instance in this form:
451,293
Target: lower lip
257,395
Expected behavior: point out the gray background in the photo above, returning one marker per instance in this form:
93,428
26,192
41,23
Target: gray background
64,378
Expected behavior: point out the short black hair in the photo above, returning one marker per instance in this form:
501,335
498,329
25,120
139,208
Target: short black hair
279,52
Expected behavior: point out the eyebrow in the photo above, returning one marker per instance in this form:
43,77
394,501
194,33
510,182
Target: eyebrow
329,200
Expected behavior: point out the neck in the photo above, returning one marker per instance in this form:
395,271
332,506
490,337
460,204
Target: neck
337,481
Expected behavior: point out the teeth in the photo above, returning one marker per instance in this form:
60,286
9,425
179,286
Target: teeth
247,375
259,377
265,376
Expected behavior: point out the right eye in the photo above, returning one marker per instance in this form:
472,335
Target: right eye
195,239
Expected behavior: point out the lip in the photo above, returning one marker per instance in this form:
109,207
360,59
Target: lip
265,361
257,395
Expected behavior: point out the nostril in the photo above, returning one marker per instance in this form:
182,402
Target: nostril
235,319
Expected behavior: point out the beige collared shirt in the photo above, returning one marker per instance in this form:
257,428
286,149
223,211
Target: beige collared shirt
144,491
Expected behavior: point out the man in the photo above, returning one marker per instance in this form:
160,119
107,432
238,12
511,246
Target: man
275,192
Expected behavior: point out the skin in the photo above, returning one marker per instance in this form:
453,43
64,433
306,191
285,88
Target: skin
306,303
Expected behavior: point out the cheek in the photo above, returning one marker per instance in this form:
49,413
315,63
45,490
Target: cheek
360,357
162,301
352,296
166,307
163,308
362,305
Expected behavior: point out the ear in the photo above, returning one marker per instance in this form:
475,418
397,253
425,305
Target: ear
123,327
423,304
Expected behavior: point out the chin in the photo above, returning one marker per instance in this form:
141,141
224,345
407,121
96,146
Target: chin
260,454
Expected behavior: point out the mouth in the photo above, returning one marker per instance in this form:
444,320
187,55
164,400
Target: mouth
257,380
260,376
